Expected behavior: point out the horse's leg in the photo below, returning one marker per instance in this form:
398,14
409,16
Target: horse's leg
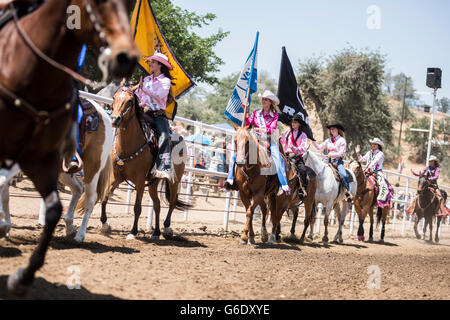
371,224
153,191
425,226
246,202
361,218
274,212
385,213
294,210
90,192
140,187
106,229
264,235
325,223
341,214
44,177
76,187
430,223
416,222
309,207
173,194
438,224
5,218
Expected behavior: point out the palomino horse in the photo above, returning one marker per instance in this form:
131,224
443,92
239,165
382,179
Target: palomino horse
97,171
133,157
427,207
365,201
328,194
37,96
252,185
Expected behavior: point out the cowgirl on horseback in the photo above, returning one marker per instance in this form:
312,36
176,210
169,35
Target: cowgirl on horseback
152,94
432,171
295,143
336,147
374,166
265,121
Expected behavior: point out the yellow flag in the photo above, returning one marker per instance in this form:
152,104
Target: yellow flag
148,38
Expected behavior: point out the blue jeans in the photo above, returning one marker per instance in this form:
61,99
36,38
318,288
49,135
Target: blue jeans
342,172
279,165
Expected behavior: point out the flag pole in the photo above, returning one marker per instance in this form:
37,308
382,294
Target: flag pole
245,107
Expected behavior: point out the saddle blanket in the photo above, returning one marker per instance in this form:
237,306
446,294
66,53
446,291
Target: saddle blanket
383,190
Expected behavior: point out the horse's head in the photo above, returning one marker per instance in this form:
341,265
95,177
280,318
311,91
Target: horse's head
105,24
241,140
423,183
122,108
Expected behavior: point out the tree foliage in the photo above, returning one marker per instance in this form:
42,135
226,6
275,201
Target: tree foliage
347,88
444,105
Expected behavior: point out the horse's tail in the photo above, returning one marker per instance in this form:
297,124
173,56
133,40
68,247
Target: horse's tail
180,205
379,215
103,186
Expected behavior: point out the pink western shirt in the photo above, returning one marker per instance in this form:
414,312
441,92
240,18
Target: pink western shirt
336,147
291,144
434,173
154,92
259,119
374,160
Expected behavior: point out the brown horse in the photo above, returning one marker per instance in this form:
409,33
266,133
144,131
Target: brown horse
365,201
427,206
251,183
133,158
37,98
278,204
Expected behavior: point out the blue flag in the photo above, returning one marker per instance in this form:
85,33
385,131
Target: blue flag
247,80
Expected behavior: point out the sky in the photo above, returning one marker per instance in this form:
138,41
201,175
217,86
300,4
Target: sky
413,34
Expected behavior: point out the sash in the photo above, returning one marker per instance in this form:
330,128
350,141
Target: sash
260,119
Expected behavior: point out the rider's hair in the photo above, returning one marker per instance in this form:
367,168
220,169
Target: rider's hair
437,163
300,129
340,132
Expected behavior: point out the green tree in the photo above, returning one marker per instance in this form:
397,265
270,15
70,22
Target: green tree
194,53
444,105
347,88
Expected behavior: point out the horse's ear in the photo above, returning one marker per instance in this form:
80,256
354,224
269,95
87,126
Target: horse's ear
246,127
236,127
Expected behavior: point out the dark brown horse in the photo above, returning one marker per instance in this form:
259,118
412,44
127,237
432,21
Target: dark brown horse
427,206
133,158
365,201
278,204
37,99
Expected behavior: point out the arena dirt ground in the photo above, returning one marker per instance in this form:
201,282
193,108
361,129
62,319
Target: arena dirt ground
205,262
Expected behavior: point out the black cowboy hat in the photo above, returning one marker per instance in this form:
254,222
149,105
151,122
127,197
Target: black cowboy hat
336,125
299,118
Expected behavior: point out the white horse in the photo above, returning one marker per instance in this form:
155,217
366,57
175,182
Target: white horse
328,194
97,172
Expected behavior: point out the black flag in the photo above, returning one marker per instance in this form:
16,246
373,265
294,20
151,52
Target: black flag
291,102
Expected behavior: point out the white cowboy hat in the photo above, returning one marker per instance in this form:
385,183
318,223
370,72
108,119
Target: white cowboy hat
160,57
269,95
433,158
377,141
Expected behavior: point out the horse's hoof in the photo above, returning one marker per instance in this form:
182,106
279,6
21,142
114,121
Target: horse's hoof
130,237
79,238
381,241
272,239
360,238
4,228
309,239
242,241
106,229
436,240
155,237
14,283
341,241
71,232
325,240
264,238
370,239
167,232
418,237
251,240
